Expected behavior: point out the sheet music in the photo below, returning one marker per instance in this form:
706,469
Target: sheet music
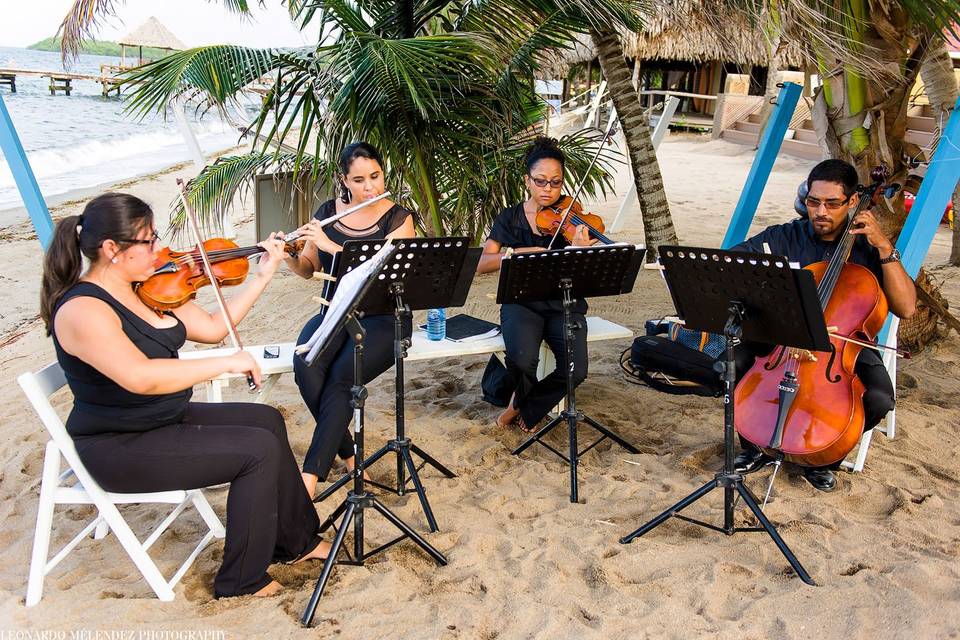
345,298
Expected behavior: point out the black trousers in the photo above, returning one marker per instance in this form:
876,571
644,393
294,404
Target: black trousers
270,517
523,330
326,386
879,397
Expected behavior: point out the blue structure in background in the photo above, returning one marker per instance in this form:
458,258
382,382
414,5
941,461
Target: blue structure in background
767,152
937,187
23,176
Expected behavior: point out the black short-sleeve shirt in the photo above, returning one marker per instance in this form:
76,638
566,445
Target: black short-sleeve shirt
799,242
512,229
339,232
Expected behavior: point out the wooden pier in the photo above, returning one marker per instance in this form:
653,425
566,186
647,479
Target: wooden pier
62,81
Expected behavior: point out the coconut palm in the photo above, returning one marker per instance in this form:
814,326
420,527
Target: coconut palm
655,211
444,89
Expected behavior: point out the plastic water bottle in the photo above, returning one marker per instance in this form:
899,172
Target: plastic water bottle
436,324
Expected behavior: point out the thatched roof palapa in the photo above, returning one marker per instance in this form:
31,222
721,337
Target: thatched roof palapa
688,32
152,34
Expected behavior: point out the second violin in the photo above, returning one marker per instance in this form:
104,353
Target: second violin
549,219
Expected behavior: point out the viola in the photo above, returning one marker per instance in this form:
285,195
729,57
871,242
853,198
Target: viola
809,407
549,218
179,274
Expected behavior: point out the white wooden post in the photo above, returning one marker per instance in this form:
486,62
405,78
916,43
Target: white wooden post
659,133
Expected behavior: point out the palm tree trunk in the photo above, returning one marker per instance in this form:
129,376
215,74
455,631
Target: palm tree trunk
657,224
940,85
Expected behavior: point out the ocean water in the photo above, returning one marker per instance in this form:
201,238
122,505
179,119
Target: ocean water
84,141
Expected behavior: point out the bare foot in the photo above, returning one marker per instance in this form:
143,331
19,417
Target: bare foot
321,552
271,589
310,482
508,416
349,462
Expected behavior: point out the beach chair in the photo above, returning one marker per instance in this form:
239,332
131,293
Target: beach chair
76,486
889,426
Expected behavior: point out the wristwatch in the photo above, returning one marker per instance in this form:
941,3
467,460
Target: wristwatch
893,257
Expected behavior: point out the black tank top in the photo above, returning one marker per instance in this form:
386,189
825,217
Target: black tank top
100,405
339,233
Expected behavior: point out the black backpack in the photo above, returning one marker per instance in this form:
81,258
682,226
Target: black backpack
669,366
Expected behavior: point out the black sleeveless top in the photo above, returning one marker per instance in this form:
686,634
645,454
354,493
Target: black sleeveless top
100,405
339,233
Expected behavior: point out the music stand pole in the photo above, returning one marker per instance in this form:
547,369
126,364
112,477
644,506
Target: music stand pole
358,498
568,270
727,478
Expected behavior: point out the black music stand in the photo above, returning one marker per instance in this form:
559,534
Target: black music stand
756,296
423,273
581,272
344,313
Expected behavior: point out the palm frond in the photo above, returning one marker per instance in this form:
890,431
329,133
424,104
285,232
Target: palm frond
219,73
211,193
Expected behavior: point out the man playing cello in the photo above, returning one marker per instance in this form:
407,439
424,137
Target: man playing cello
832,186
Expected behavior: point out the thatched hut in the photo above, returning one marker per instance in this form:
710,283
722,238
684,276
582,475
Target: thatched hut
151,33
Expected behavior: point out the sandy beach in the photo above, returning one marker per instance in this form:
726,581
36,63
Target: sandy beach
524,562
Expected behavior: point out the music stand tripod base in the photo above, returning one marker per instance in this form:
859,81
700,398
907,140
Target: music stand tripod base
587,272
769,302
423,273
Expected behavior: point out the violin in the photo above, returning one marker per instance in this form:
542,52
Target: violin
179,274
550,218
809,409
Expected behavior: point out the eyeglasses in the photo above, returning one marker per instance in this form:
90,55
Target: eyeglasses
831,205
154,239
556,183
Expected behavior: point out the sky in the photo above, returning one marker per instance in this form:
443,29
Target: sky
194,22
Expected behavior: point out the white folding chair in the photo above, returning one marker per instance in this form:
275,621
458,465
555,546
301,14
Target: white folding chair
54,490
889,425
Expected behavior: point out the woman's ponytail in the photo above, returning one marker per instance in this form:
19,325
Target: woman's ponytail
61,266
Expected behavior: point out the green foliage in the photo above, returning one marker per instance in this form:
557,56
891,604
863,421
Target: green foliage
100,48
443,89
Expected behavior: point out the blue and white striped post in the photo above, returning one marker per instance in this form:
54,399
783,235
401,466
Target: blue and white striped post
767,152
23,176
937,187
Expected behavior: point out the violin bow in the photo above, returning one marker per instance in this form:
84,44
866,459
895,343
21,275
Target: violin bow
217,293
563,220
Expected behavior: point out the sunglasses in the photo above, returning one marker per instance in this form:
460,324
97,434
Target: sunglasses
556,183
832,205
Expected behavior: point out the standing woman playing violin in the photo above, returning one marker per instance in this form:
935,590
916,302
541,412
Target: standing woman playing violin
525,326
325,386
132,420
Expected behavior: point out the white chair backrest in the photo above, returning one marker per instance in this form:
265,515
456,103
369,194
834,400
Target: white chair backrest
39,387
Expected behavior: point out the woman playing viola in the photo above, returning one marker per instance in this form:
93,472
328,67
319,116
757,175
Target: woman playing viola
132,421
526,325
325,386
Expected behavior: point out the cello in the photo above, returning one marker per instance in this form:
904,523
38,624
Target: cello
805,407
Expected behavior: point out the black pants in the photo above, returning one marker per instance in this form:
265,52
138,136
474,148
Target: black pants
326,386
523,331
270,517
879,397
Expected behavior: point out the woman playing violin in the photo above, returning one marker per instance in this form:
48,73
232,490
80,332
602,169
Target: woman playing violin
525,326
132,421
325,386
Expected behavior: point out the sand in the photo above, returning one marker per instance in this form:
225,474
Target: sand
523,561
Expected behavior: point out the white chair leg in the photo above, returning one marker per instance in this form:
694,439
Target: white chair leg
101,531
891,424
41,533
206,512
135,550
862,448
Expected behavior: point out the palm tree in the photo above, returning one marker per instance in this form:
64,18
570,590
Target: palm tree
658,226
444,89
